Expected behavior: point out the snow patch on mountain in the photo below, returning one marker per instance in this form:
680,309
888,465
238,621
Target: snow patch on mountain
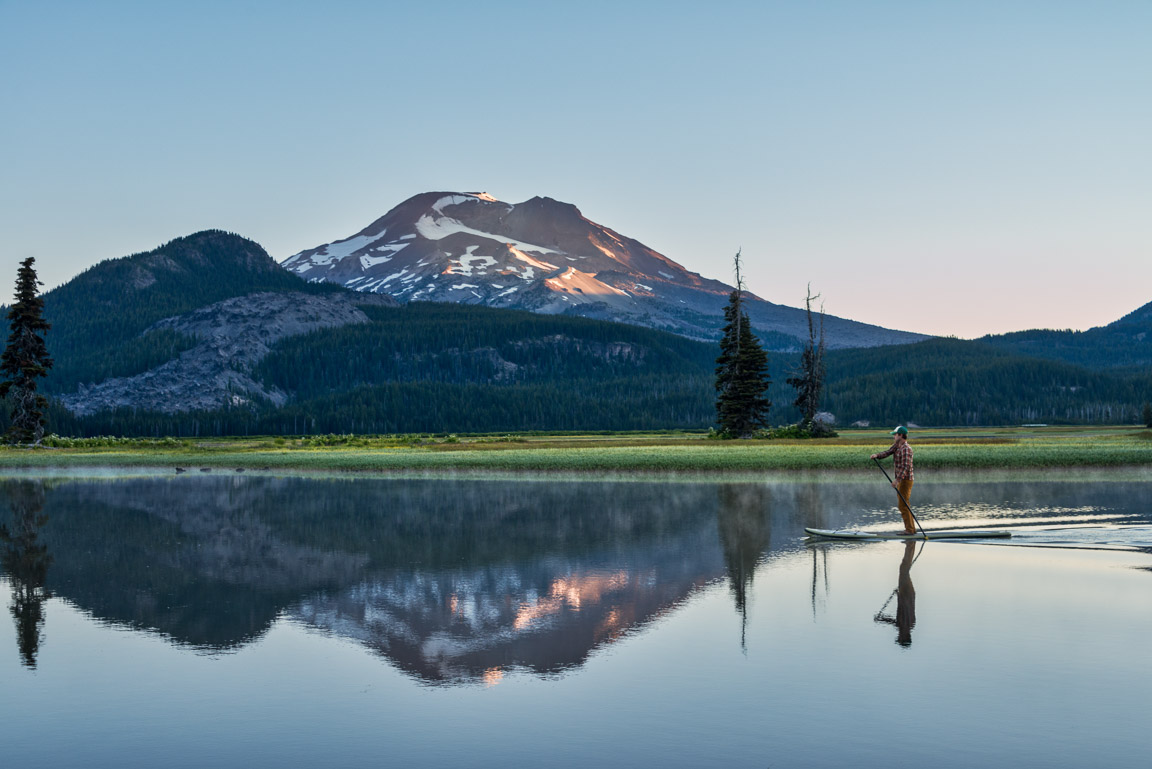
519,254
469,263
608,253
343,248
368,262
440,227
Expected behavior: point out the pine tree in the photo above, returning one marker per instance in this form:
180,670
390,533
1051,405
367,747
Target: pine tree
25,358
1147,414
809,382
741,371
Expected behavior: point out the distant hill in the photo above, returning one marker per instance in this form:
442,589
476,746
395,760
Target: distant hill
99,317
959,382
1125,343
544,256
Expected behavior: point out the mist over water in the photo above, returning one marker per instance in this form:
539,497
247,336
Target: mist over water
262,620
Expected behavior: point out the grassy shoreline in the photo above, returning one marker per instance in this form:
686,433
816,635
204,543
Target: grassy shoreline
641,453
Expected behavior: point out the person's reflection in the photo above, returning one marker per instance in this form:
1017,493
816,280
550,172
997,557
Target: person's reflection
905,593
25,559
745,535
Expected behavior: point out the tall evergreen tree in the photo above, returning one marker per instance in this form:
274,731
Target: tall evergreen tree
742,377
1146,414
809,379
25,359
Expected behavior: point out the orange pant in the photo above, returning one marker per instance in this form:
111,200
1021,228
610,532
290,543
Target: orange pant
905,489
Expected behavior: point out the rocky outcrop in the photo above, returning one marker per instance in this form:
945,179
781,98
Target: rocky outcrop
234,335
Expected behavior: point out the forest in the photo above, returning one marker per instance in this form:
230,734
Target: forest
445,368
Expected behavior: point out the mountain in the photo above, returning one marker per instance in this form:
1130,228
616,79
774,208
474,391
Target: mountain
544,256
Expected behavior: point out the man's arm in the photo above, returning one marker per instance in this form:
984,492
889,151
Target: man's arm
891,450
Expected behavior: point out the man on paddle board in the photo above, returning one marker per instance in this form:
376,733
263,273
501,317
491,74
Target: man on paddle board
901,454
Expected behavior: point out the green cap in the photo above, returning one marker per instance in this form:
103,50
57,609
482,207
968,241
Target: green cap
901,430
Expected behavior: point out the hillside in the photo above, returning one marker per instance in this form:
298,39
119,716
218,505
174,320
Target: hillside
1125,343
427,367
101,319
444,368
225,341
958,382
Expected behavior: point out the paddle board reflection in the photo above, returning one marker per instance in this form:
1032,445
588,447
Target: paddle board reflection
905,595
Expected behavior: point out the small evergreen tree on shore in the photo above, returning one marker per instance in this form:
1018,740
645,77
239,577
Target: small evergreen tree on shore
742,377
25,359
809,379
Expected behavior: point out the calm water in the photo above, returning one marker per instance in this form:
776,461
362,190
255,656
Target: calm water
247,621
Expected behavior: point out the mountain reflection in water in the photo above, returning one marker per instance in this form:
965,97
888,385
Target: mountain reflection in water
455,581
451,581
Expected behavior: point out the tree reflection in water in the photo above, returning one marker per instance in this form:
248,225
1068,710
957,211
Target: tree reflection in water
742,519
25,559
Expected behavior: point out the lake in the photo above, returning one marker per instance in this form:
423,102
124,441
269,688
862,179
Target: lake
249,620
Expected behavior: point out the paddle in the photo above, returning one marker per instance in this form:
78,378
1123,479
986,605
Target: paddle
877,461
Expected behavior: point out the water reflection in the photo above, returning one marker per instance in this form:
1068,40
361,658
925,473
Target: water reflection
742,519
451,581
25,559
905,595
467,624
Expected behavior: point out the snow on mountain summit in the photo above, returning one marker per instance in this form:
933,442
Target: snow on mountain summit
541,255
541,249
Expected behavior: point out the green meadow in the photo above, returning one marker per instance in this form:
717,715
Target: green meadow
614,453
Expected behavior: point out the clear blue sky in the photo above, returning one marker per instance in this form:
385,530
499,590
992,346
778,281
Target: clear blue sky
947,167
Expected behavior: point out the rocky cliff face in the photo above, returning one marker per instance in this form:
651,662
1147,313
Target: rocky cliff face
234,335
544,256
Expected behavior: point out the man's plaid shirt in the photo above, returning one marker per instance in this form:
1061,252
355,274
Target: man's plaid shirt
902,458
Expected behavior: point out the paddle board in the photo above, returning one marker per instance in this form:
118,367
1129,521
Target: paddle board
940,534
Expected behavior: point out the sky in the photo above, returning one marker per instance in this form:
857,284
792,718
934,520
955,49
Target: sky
951,167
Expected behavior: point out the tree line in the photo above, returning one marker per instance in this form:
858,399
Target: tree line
456,368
